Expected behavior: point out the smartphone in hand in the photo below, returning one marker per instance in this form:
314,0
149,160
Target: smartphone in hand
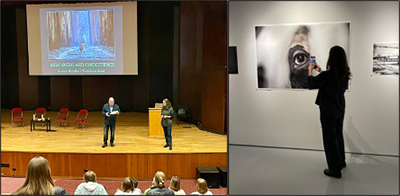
313,61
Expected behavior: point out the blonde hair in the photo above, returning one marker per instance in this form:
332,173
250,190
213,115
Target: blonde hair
175,184
201,186
159,179
90,176
127,185
38,179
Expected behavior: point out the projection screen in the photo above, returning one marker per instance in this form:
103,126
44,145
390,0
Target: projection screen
82,39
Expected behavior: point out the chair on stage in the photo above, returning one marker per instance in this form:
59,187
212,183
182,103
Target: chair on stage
39,112
81,118
17,115
63,116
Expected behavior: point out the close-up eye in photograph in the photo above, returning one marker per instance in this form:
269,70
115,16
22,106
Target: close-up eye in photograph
299,58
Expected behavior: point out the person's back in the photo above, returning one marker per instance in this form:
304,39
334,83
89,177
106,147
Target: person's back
90,188
60,191
207,193
38,179
129,187
158,187
175,186
179,192
202,188
332,85
330,96
136,192
160,191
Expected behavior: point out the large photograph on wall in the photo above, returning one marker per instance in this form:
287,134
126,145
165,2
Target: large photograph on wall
386,58
283,51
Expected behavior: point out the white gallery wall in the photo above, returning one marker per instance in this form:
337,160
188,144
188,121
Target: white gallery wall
289,118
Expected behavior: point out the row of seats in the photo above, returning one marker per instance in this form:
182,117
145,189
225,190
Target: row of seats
17,115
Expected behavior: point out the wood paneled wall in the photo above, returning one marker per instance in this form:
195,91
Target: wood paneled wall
139,166
203,70
214,72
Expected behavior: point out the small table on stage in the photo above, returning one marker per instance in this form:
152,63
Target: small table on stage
47,121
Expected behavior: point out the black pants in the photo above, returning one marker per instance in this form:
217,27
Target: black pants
332,133
167,134
112,130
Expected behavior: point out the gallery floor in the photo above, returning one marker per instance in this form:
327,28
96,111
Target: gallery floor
261,170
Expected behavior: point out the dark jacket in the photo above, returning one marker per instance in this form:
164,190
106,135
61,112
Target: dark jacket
155,190
60,191
331,91
167,122
107,109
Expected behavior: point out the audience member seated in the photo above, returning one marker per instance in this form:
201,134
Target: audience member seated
159,185
175,185
38,179
202,188
129,187
90,186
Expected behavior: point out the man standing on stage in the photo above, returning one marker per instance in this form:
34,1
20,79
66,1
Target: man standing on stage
110,110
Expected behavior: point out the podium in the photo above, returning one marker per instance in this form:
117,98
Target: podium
155,128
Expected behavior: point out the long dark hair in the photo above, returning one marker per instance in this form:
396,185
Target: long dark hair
127,185
337,62
167,106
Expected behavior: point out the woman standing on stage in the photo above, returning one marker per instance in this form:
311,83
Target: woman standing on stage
167,113
332,85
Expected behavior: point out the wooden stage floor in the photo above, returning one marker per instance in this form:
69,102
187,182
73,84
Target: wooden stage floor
70,151
131,136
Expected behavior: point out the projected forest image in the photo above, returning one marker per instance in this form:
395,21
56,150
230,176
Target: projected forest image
81,35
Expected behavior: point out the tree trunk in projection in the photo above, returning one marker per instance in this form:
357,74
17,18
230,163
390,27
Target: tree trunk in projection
107,28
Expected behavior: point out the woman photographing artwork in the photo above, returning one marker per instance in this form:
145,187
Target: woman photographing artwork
332,85
167,113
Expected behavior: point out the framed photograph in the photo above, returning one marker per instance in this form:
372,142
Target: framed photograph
385,59
284,51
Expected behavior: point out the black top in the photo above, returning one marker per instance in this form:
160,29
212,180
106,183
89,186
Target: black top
331,91
167,122
107,109
155,190
60,191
